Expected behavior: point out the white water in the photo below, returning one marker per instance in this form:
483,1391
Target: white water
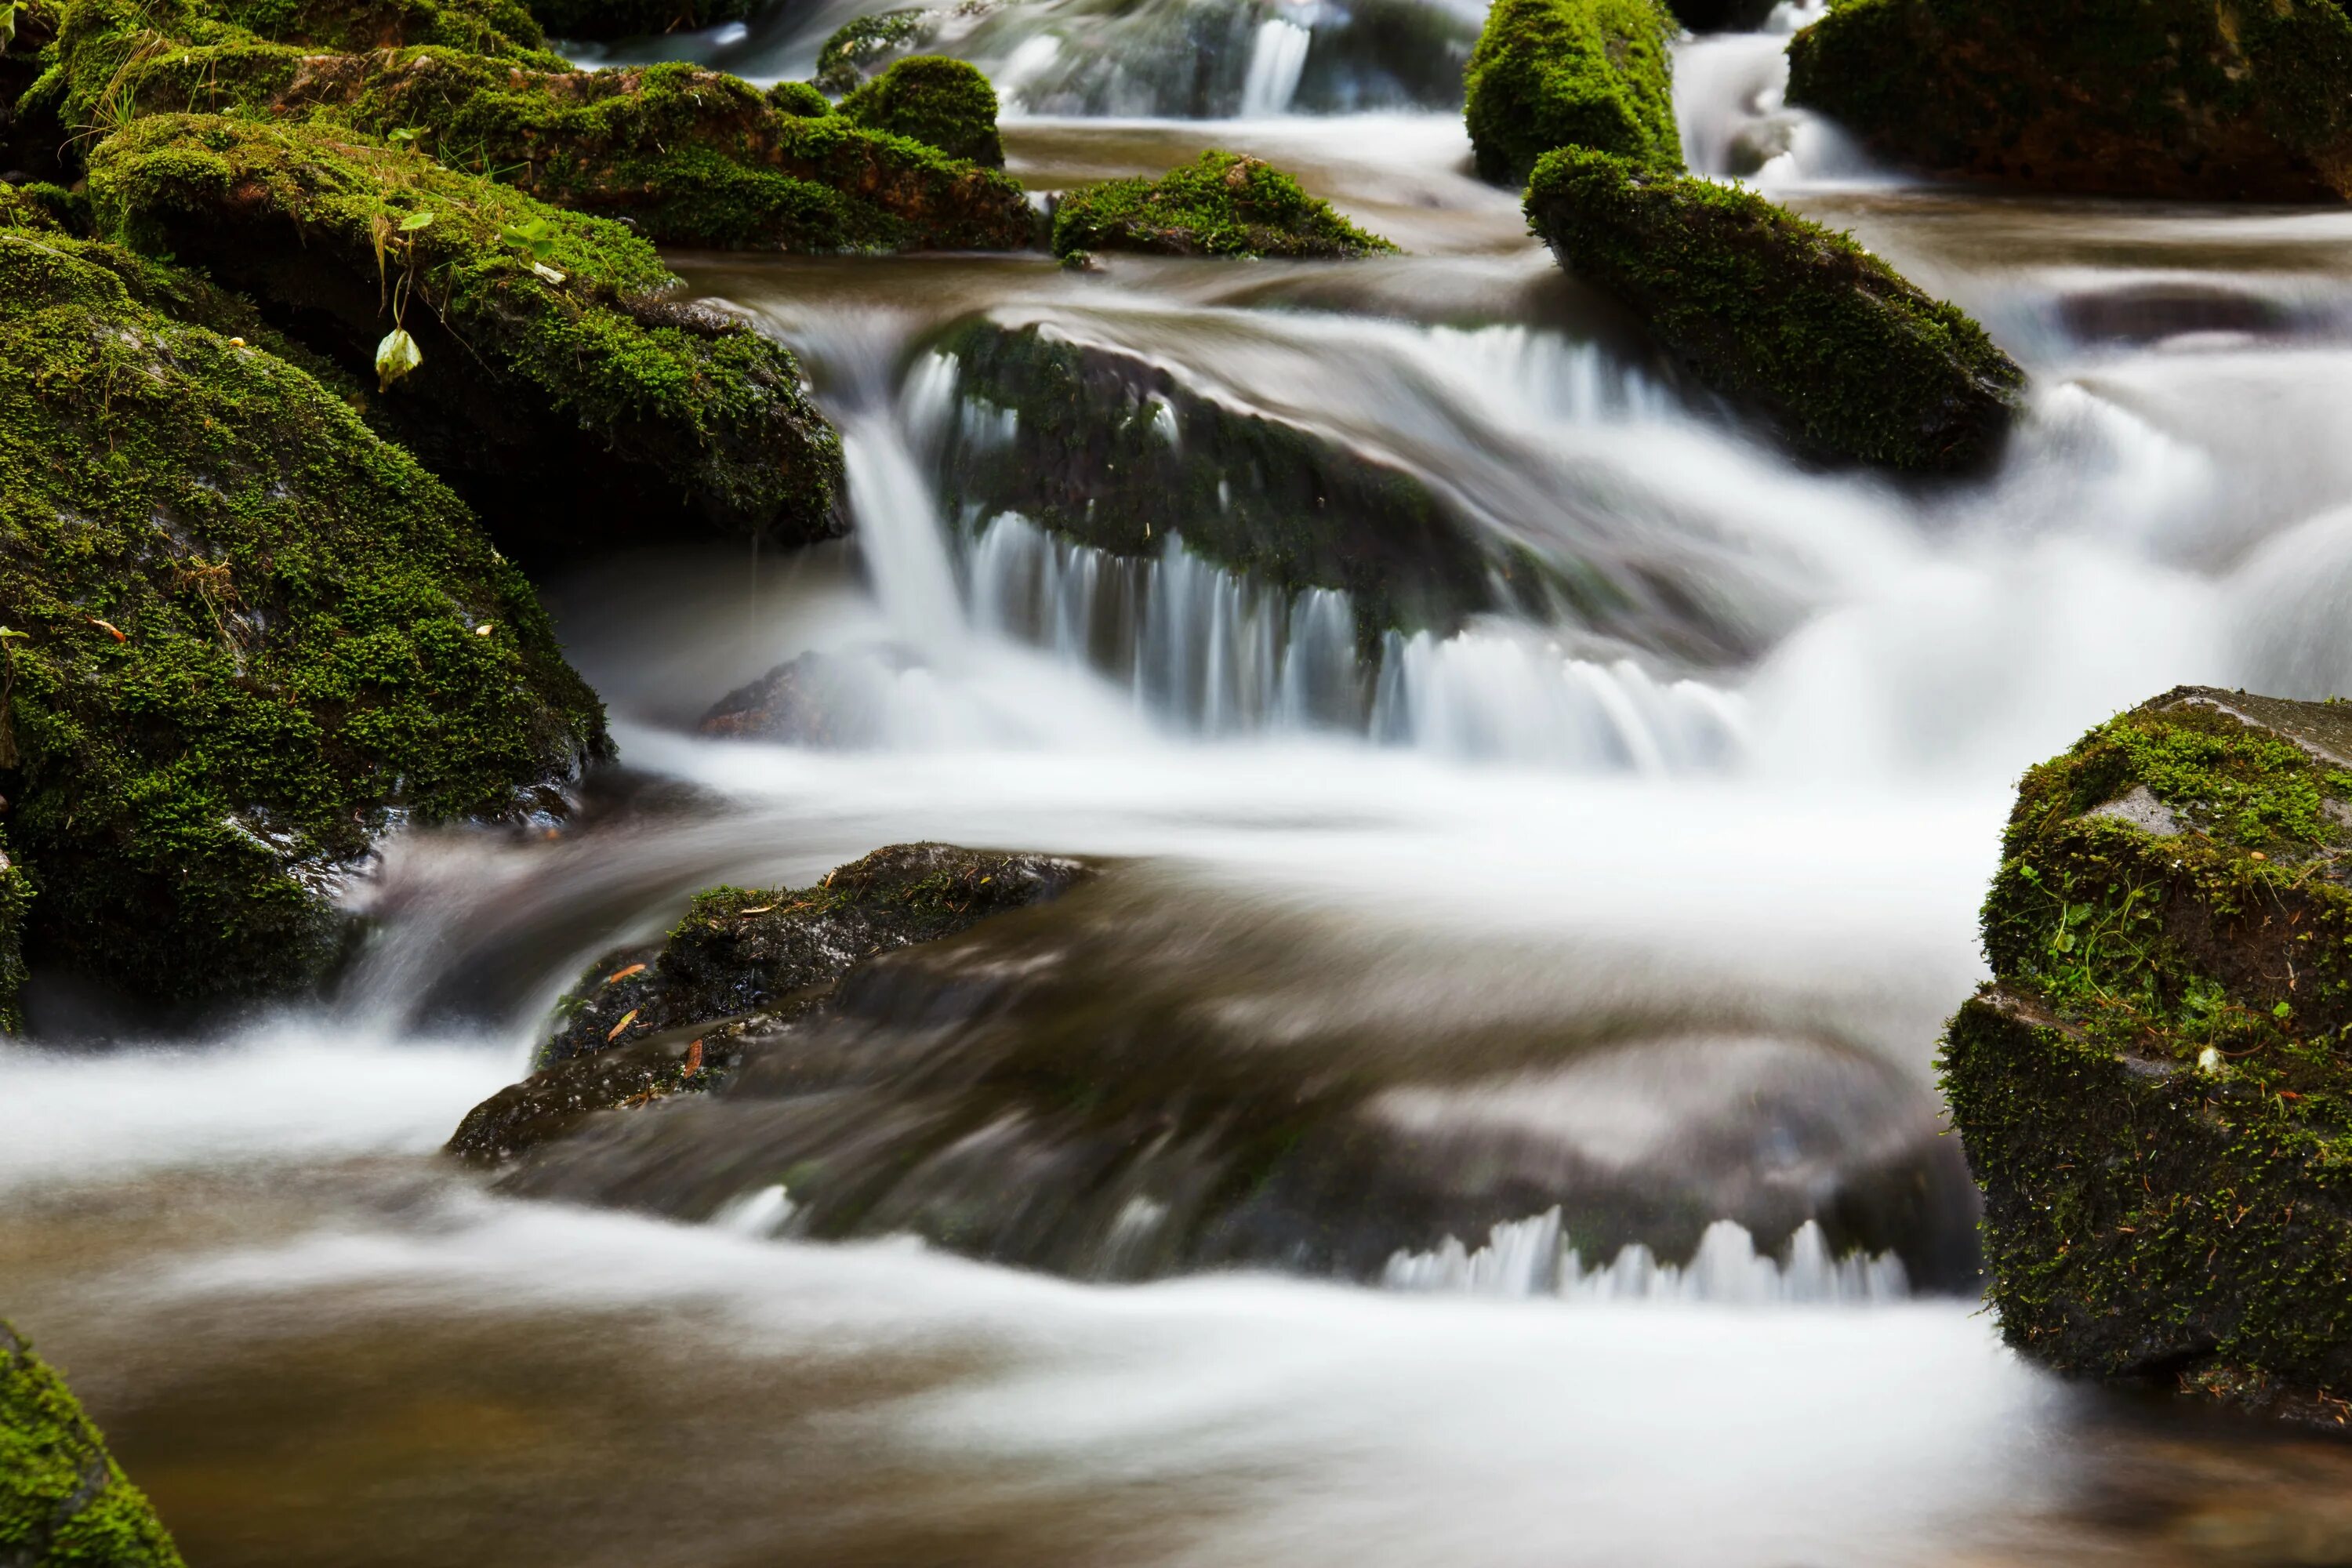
1535,1256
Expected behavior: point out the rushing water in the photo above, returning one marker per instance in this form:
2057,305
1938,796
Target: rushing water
1664,901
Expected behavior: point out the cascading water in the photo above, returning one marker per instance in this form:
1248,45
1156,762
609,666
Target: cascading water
1640,891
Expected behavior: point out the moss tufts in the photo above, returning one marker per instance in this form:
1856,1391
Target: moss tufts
1223,205
1798,322
931,99
1571,73
2183,99
799,100
64,1502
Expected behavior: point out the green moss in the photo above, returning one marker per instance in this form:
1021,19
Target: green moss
605,20
855,47
1223,205
1571,73
2157,1095
1798,322
499,28
64,1502
2166,98
931,99
555,353
798,99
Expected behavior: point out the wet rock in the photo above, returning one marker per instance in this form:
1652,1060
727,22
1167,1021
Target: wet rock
245,635
1723,16
814,699
1571,73
561,391
1851,361
2186,98
2154,1091
1223,205
940,102
864,46
63,1500
1110,449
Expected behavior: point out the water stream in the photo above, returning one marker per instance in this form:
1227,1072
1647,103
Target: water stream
1657,892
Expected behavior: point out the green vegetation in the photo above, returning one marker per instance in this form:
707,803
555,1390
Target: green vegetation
2157,1090
604,20
855,48
1833,345
1223,205
1571,73
933,100
2185,99
64,1502
553,372
799,100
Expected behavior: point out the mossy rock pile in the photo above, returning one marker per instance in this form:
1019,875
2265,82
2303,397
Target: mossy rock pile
1571,73
561,390
1224,204
742,961
2204,99
2156,1090
1834,346
931,99
247,634
63,1500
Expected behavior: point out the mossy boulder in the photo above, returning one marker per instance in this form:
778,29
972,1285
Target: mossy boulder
501,28
1571,73
64,1502
1224,204
2203,100
2155,1091
602,20
740,961
248,636
562,390
1849,360
859,47
799,100
931,99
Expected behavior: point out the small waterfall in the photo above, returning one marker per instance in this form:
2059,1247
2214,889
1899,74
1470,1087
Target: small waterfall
1277,58
1534,1257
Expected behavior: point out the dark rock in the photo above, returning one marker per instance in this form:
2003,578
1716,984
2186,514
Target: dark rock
601,20
814,699
2155,1091
1723,16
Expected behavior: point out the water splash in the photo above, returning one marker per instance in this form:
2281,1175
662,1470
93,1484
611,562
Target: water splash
1533,1257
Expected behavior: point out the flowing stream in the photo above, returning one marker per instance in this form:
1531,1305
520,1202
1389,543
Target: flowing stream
1658,890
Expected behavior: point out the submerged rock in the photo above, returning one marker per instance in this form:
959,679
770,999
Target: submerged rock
560,390
931,99
742,961
64,1502
1226,204
1571,73
1802,324
244,633
816,700
2156,1090
2201,99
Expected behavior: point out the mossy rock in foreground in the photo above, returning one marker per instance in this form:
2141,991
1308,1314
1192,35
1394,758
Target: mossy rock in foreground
250,632
1223,204
2155,1091
1571,73
2204,99
561,391
742,956
1801,324
64,1502
931,99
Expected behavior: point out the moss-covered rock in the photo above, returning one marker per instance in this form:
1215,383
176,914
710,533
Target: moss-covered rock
1797,323
602,20
858,47
931,99
799,100
561,391
2155,1091
742,958
64,1502
503,29
1223,204
1571,73
249,634
2191,98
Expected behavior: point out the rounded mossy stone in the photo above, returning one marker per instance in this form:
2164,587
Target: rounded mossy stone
561,390
2203,100
940,102
851,53
1571,73
247,634
601,21
1224,204
64,1502
1799,323
800,100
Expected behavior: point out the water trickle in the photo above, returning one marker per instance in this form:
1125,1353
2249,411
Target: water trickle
1534,1257
1277,57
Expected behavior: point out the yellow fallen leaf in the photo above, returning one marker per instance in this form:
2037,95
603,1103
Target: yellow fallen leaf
694,1059
625,973
627,1018
110,628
